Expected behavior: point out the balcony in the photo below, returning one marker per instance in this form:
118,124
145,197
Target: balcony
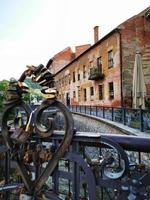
96,74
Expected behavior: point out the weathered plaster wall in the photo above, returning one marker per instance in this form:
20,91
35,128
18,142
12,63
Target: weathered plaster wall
76,88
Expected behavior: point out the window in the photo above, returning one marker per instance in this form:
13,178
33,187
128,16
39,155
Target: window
84,92
99,64
74,94
78,93
111,90
74,78
78,75
110,59
84,71
101,92
67,99
91,91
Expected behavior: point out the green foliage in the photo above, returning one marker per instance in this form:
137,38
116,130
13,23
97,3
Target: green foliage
3,85
35,91
32,85
95,74
26,97
3,93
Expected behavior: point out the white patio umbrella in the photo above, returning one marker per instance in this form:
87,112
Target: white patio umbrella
139,89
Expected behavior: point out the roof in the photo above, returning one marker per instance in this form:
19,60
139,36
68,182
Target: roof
143,13
89,49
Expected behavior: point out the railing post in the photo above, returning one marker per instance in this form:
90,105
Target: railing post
141,121
70,107
103,112
123,116
96,111
76,175
7,167
139,157
90,110
7,171
55,176
112,114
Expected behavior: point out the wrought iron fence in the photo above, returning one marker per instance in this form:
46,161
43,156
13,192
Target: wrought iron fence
135,118
95,168
40,162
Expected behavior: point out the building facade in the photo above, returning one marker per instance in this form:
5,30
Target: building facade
102,74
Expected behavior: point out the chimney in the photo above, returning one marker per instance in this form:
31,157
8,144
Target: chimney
96,34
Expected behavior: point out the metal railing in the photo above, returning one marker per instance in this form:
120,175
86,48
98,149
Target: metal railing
95,168
134,118
43,157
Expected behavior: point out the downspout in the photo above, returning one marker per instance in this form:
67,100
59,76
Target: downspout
120,46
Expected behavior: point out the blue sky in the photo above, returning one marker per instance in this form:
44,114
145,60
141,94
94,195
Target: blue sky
32,31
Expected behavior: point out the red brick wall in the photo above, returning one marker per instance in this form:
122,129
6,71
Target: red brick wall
135,34
62,59
81,49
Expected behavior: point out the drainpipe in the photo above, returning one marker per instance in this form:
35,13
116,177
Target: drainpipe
120,46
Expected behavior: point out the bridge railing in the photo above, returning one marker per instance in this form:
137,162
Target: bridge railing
89,169
134,118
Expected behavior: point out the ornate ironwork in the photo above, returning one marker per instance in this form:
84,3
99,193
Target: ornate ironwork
19,141
36,149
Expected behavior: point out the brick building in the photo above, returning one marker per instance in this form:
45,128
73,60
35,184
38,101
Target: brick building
102,74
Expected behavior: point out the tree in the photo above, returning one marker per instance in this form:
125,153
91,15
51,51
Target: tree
3,93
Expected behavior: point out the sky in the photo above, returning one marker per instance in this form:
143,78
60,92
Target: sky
33,31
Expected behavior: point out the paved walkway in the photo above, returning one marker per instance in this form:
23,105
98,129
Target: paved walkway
123,128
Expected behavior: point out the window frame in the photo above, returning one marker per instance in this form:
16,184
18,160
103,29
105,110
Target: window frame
84,71
101,92
74,94
99,63
110,59
91,91
111,90
74,77
85,94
